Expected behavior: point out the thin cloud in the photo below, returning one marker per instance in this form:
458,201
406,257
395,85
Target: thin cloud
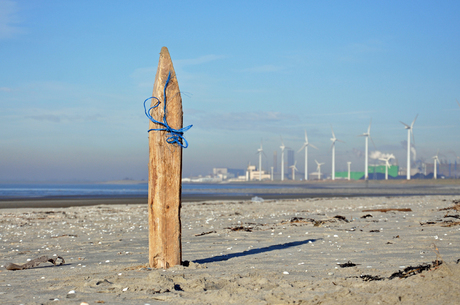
9,19
256,120
342,113
5,89
58,118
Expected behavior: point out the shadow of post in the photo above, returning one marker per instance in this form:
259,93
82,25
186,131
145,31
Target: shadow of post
226,257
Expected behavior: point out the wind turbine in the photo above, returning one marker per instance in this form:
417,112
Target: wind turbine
318,169
293,170
387,164
409,132
334,139
436,159
260,151
305,145
349,164
366,152
282,159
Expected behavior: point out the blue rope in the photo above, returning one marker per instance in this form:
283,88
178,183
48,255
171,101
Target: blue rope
175,135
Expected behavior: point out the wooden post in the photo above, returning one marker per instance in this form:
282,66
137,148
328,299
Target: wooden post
165,172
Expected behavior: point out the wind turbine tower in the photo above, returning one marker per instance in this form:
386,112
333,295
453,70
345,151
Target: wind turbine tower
409,133
334,139
282,159
366,152
436,160
260,151
349,164
305,145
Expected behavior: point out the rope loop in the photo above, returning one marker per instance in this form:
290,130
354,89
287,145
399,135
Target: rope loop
175,136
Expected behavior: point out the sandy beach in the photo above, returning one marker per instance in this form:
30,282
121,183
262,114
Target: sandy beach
341,250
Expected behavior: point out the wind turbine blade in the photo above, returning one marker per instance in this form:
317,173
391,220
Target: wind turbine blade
369,129
313,146
412,125
458,103
316,162
264,154
373,142
306,138
333,135
340,141
303,146
405,124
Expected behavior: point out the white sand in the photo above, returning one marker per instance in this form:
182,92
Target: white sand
278,262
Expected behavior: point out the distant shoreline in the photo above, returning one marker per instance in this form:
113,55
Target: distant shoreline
291,192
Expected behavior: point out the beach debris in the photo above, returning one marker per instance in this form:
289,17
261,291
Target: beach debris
443,223
366,216
369,278
205,233
389,210
316,223
409,271
257,199
374,231
347,264
339,217
71,294
455,207
35,262
240,228
64,235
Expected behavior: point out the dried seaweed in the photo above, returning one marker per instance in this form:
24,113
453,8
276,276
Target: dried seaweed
455,207
240,228
339,217
205,233
347,264
442,223
409,271
369,278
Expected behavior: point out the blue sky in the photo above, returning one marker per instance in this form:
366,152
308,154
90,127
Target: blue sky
74,75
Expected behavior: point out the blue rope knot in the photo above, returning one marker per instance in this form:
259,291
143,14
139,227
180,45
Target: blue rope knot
175,135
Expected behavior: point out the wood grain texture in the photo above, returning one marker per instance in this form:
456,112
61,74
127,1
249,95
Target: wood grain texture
165,172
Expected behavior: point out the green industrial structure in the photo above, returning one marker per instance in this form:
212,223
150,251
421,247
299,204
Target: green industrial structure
373,169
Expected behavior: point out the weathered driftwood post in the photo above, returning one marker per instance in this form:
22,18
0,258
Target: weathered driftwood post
165,168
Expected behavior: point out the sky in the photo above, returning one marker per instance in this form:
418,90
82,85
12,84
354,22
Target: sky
74,75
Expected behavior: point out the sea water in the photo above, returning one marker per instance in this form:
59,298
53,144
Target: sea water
39,190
